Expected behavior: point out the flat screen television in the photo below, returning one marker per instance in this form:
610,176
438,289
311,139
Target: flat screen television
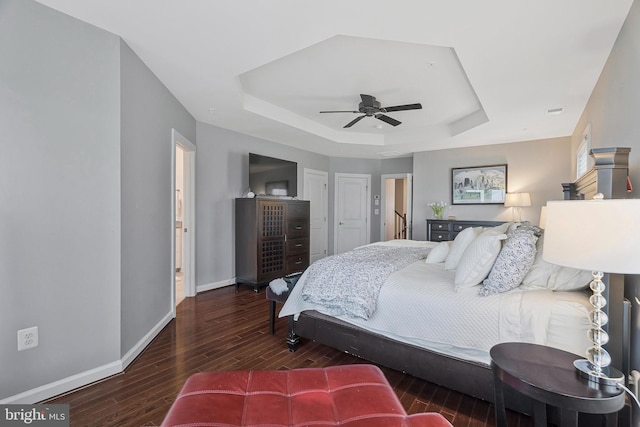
269,176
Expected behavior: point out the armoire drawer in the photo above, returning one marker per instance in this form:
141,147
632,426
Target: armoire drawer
297,262
298,210
297,246
297,228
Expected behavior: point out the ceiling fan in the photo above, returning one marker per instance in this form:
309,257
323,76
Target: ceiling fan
371,108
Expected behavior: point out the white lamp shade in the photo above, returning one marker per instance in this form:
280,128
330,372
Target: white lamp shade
595,235
517,200
543,217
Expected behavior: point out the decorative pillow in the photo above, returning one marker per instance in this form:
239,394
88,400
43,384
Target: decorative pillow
543,274
458,246
438,253
477,260
513,262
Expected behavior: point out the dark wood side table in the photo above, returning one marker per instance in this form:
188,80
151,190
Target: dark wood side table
547,376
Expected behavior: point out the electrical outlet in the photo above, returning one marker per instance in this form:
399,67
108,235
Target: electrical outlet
27,338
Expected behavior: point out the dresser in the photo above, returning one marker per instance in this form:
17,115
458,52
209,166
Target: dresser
272,239
439,230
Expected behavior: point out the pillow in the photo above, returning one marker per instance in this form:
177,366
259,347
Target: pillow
458,246
438,253
543,274
477,260
498,229
513,262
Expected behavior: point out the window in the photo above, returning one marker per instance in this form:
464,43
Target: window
582,155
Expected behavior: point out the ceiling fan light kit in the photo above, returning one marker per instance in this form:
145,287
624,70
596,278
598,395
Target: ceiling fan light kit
369,107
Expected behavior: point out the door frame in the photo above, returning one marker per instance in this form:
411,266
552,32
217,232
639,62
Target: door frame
188,217
383,201
336,187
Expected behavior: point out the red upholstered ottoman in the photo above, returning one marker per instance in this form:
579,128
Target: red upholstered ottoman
350,395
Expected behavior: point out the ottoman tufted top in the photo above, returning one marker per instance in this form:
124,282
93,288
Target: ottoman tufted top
350,395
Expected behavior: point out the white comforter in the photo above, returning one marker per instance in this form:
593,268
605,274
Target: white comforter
419,305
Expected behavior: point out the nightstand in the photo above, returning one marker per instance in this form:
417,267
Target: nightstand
547,376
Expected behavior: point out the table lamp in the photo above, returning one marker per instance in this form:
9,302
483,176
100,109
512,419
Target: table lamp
576,235
516,201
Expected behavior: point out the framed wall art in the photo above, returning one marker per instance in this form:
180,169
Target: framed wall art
479,185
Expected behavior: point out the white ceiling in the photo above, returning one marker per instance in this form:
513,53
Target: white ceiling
485,72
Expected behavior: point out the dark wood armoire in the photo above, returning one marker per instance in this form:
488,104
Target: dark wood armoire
272,239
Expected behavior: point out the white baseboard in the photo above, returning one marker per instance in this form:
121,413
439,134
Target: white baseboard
82,379
144,342
64,385
215,285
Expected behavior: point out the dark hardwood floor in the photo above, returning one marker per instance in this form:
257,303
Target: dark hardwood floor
224,330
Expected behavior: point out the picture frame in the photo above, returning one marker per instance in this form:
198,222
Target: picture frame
479,185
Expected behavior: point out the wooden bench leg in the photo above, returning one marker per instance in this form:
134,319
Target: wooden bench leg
292,339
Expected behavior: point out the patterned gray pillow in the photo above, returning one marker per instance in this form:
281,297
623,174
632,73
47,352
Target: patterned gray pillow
513,262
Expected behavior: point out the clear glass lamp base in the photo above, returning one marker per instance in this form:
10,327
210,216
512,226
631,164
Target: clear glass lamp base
609,377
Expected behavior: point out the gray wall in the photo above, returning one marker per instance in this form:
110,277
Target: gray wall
86,226
612,112
60,197
149,112
222,174
537,167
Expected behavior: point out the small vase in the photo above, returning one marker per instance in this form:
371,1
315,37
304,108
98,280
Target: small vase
437,215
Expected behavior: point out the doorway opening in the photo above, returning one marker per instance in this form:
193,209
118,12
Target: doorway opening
179,223
396,206
183,185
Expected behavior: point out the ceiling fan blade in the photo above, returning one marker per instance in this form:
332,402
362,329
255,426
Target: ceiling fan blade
402,107
368,100
354,121
340,111
387,119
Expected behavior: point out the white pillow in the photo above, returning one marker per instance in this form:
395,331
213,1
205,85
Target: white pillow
458,246
498,229
543,274
477,260
438,253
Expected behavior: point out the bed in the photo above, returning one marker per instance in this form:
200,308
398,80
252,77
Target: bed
425,325
421,314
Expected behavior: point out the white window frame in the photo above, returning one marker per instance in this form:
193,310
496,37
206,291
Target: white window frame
583,159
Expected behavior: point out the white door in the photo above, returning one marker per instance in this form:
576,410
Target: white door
352,208
386,202
316,191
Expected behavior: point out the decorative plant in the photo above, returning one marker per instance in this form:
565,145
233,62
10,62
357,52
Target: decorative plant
438,209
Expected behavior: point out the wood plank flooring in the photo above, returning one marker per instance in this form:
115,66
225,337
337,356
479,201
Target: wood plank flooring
224,330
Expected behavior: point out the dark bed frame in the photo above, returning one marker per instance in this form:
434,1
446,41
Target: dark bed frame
475,379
